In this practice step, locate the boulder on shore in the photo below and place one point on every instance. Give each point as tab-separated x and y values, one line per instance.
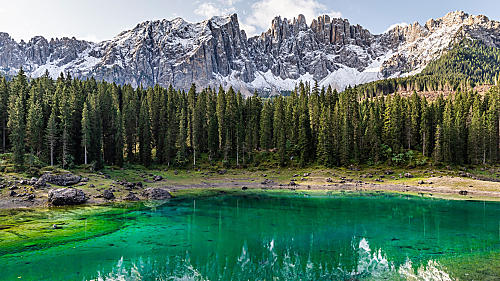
108	194
66	196
131	197
61	180
156	193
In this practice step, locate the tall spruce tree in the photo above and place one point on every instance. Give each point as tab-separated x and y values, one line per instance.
4	116
145	133
17	129
51	135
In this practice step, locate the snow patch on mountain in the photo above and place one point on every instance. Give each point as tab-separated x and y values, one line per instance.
217	52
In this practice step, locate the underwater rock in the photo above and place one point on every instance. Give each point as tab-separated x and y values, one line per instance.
66	196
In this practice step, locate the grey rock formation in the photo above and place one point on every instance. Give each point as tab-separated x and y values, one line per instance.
66	196
61	180
131	197
108	194
217	52
156	193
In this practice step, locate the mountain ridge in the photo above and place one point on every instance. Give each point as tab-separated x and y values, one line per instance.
217	52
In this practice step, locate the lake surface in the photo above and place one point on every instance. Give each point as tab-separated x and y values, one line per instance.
277	236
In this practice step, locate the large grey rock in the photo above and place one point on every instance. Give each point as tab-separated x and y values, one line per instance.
108	194
156	193
66	196
61	180
131	197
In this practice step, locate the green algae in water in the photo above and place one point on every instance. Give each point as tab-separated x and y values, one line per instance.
283	236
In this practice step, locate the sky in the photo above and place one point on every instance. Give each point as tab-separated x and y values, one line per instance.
97	20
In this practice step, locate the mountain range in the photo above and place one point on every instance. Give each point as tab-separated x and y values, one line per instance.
217	52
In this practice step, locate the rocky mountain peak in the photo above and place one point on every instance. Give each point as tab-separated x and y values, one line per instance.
216	51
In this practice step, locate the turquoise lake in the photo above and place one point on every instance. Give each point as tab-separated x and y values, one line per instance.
257	236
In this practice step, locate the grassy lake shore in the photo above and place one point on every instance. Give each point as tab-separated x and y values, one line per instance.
465	184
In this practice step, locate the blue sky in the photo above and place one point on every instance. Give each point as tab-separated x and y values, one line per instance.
97	20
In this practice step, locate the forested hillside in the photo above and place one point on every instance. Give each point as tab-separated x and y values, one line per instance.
70	122
465	65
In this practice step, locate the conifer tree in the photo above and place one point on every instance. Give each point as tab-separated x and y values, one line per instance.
426	129
66	114
17	129
493	125
325	138
35	127
182	137
130	120
240	129
305	137
230	126
279	129
86	131
52	135
476	132
221	116
212	126
4	117
145	133
266	126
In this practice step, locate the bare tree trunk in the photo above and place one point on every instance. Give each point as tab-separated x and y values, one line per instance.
194	157
51	153
65	148
423	145
5	133
85	153
484	150
237	155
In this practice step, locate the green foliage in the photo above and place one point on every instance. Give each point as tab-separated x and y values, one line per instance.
71	122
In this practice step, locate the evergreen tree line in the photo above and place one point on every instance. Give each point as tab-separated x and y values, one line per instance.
464	66
70	122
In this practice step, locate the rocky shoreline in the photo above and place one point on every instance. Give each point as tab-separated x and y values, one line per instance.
65	190
70	189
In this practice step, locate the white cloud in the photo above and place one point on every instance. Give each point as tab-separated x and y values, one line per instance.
402	24
209	9
263	11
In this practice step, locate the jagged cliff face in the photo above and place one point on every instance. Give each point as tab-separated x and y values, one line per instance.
216	51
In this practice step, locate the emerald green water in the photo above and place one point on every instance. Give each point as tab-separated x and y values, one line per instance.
282	236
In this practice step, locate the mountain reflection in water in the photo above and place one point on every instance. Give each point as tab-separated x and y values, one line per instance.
288	265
